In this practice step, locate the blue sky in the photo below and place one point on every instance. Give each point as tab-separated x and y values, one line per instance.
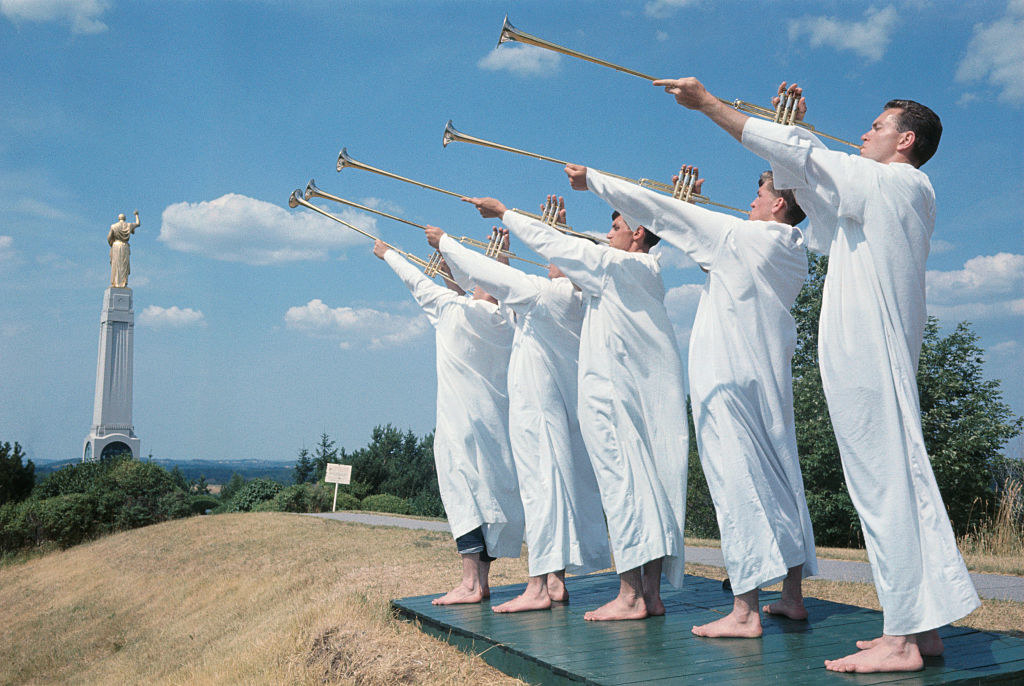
258	327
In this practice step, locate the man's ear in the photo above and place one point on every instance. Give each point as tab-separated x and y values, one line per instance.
905	143
778	205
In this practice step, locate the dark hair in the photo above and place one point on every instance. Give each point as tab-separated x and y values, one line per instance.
650	239
924	123
794	214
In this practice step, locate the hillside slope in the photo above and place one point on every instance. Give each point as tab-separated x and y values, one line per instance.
256	598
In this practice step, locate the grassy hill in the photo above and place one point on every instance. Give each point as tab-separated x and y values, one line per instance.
264	598
247	598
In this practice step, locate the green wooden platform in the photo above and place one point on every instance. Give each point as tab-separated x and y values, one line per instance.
559	647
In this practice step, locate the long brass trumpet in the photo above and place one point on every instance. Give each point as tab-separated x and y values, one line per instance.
491	248
784	112
681	190
431	267
346	160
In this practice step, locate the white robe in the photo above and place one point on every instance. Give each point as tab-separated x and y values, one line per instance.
741	385
475	472
564	523
631	405
875	221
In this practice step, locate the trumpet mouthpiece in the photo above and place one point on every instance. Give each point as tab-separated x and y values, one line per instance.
343	159
449	134
293	201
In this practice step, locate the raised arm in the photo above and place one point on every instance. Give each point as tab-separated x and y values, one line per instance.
430	296
691	94
696	231
136	224
506	283
580	260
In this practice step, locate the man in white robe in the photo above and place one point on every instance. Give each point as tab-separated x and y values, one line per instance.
741	387
565	528
631	404
873	215
475	472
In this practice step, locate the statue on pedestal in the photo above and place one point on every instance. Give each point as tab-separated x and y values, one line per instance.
118	237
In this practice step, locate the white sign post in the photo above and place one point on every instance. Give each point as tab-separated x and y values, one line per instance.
337	474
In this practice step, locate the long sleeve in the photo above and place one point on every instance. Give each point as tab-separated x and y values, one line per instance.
694	230
428	294
509	285
579	259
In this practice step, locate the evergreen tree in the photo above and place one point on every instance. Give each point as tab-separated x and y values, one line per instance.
232	487
16	479
324	453
200	487
303	467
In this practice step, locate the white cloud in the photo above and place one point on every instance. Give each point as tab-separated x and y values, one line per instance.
940	246
83	14
681	302
521	60
173	317
977	311
354	325
235	228
660	9
868	38
982	277
660	36
995	54
6	248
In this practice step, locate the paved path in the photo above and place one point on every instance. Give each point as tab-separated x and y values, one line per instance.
994	586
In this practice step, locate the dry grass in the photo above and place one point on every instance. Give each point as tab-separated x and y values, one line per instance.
999	545
248	598
263	598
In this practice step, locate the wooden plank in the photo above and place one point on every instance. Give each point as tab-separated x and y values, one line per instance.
558	646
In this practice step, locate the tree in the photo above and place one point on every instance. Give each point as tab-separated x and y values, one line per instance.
16	479
303	467
324	453
231	487
200	487
964	420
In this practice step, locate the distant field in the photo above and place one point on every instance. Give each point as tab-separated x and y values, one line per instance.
262	598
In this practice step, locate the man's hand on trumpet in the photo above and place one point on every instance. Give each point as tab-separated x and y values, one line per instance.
433	235
504	244
379	248
555	203
489	208
793	91
695	173
577	174
689	92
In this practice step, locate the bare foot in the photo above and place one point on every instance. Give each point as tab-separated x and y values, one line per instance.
887	654
731	626
557	591
623	607
655	608
525	603
460	594
788	608
929	644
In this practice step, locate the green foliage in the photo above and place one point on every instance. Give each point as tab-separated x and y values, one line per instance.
384	502
304	468
16	479
231	487
252	494
964	420
200	503
700	510
323	453
427	504
346	501
294	498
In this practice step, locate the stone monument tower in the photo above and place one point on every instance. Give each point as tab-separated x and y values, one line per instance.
112	430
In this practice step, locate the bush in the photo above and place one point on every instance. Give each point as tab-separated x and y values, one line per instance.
292	499
384	502
321	495
64	519
346	501
427	504
252	494
199	504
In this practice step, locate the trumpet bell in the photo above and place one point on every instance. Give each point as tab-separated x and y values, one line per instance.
508	32
450	134
294	201
344	160
311	190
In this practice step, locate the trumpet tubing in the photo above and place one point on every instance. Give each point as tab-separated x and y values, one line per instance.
784	113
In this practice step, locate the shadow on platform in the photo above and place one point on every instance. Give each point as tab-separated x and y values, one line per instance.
559	647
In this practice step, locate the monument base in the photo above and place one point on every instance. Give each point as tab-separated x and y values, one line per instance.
100	447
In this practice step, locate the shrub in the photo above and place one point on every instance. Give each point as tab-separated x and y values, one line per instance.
427	504
384	502
64	519
321	495
292	499
252	494
199	504
346	501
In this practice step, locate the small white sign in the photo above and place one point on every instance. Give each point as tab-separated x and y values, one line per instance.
338	473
